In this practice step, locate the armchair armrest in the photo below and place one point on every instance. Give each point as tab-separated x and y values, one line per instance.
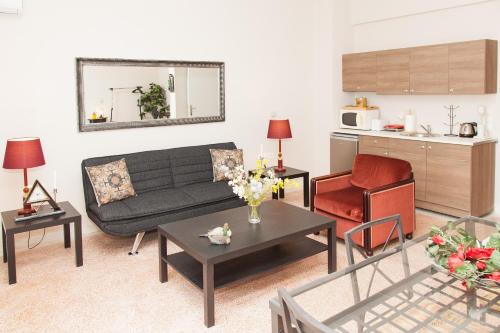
388	187
391	199
329	183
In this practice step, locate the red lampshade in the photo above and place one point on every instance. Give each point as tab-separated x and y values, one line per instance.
23	153
279	129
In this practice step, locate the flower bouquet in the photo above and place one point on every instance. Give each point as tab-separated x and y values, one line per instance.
255	187
472	261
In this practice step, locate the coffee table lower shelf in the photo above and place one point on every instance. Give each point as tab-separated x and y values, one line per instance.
247	265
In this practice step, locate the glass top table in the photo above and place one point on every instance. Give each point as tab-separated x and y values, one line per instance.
399	290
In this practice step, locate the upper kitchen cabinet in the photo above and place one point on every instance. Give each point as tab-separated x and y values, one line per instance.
359	72
473	67
393	72
429	70
456	68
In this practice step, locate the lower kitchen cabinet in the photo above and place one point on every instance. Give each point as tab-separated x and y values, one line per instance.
415	153
453	179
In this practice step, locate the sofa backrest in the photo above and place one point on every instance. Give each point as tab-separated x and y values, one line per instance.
194	164
371	171
160	169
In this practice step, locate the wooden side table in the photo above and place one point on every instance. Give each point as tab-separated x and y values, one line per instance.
10	228
292	173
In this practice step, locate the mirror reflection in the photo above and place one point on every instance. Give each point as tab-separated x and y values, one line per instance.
123	94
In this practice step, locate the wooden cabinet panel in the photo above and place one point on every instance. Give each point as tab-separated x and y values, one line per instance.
467	67
374	141
429	70
415	152
393	72
359	72
449	175
373	150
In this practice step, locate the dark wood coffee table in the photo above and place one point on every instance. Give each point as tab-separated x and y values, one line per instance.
278	240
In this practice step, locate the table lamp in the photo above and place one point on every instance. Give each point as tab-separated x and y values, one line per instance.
279	129
24	153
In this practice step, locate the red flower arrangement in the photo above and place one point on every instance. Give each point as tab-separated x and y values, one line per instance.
465	257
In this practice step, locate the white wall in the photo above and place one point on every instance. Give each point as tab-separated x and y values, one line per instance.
334	35
369	10
274	57
476	21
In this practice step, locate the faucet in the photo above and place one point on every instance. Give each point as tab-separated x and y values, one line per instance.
427	129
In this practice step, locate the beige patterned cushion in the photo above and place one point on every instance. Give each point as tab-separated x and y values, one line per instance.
111	182
222	157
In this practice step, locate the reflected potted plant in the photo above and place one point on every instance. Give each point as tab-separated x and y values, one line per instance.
154	102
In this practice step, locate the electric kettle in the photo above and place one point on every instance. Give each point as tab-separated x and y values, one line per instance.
468	130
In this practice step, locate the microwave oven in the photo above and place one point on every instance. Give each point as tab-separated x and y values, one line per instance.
358	119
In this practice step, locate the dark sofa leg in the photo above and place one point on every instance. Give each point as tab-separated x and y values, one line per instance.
137	242
409	236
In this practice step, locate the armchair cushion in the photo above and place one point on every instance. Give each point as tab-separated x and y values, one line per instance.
372	171
346	202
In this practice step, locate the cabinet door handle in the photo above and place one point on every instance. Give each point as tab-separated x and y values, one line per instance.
386	153
452	90
358	88
429	147
375	141
412	90
405	91
422	147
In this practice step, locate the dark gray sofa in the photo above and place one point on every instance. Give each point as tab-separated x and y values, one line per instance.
171	185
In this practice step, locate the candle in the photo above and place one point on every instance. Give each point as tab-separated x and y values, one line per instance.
55	179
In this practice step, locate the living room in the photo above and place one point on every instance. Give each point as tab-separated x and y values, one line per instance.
275	63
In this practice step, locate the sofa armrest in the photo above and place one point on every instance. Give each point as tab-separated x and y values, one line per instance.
336	181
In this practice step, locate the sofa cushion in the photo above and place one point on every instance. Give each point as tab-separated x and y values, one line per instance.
224	160
371	171
192	165
143	205
134	225
111	182
208	192
347	203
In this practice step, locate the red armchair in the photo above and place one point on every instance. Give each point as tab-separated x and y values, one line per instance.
377	187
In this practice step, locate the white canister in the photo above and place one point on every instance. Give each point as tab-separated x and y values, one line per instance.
378	124
410	123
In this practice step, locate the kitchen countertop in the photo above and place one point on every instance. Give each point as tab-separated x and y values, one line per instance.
440	139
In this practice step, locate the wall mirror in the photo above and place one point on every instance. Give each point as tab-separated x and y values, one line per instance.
119	93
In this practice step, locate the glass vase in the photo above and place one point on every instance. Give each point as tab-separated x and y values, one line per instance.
254	214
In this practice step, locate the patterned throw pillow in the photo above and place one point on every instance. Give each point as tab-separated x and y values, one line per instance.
111	182
228	158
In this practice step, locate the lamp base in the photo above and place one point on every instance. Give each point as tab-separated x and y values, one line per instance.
26	210
279	170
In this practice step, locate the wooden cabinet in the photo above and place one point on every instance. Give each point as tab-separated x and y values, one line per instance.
449	175
472	67
456	68
414	152
429	70
452	179
393	72
359	72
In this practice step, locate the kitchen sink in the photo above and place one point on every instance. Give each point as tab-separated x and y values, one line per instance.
420	135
